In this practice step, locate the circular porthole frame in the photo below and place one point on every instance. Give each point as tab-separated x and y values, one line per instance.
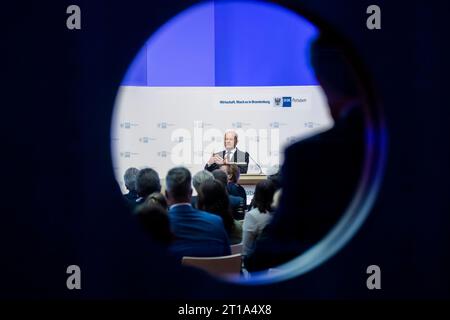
375	157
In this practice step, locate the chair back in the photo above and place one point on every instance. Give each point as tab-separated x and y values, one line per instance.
218	266
236	248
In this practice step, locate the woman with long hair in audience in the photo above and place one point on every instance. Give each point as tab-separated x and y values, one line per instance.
213	198
257	218
157	198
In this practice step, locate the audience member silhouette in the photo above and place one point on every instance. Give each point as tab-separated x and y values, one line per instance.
197	180
147	182
197	233
274	175
129	178
157	198
233	175
213	198
237	203
321	173
256	219
155	221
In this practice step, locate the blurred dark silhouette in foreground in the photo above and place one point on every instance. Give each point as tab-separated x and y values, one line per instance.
321	173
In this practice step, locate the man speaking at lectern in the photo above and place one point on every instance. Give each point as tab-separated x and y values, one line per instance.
231	154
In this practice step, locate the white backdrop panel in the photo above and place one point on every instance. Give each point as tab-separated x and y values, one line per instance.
161	127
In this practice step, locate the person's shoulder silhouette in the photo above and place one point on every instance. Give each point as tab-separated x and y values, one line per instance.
320	173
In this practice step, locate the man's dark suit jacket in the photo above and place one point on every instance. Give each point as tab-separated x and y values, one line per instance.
237	207
197	233
237	190
239	156
194	201
131	196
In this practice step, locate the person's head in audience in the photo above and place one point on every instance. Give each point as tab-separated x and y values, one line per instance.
201	177
155	222
213	198
263	196
178	186
274	175
147	182
334	74
221	176
232	171
156	198
130	178
224	168
230	140
237	202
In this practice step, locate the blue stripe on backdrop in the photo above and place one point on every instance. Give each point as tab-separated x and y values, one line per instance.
227	43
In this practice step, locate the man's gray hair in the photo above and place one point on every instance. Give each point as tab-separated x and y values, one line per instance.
201	177
130	178
178	182
233	132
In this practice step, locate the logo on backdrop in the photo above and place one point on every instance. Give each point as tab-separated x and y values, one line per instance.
239	125
298	100
311	125
163	154
146	139
201	124
164	125
291	139
127	154
276	124
277	102
287	102
128	125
